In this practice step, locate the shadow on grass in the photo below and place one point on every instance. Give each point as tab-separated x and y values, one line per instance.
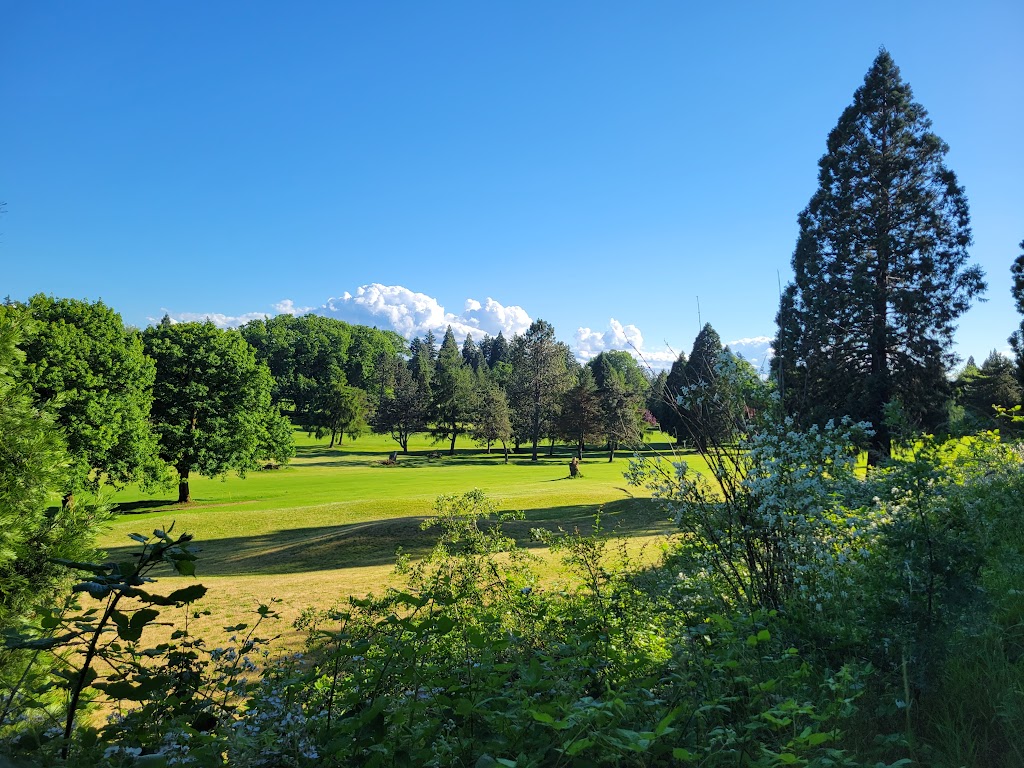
355	545
147	505
316	456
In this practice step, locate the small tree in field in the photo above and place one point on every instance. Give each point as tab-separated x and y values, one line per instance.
211	404
493	422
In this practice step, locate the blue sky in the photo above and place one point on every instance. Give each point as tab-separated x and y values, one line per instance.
600	165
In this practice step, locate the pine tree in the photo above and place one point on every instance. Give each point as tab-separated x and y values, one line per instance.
1017	339
620	408
670	413
880	265
499	351
581	414
701	413
452	393
471	353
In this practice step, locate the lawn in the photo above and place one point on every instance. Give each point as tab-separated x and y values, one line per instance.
329	524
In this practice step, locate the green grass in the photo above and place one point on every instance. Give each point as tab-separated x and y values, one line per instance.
329	524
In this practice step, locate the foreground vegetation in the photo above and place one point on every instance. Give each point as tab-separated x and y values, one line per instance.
809	616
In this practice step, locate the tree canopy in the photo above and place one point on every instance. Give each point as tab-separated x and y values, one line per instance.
881	268
212	403
92	372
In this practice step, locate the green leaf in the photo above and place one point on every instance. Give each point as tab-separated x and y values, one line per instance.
542	717
578	746
763	636
683	754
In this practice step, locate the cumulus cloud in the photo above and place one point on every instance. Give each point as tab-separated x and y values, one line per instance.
591	343
413	314
287	307
756	349
217	318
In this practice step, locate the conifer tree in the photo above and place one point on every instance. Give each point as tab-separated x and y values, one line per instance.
581	414
881	271
471	353
452	393
499	351
1017	339
670	413
701	412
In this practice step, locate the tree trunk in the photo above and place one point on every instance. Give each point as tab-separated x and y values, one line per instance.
611	451
505	448
184	497
451	451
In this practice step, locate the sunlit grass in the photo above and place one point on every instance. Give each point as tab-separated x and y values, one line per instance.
329	525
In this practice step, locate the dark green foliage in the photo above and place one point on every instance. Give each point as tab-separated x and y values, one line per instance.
1017	290
423	361
34	467
404	409
452	393
881	268
492	422
621	408
669	413
655	400
471	355
85	366
979	389
540	374
212	406
630	372
496	350
581	415
337	410
304	355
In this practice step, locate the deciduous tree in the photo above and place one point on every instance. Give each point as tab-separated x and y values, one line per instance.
91	371
211	407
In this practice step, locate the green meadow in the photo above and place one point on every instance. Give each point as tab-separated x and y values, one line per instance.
329	524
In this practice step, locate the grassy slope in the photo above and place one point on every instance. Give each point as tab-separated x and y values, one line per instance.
328	525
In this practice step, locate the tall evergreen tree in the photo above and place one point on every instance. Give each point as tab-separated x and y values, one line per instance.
423	361
670	413
541	374
620	409
881	271
1017	339
499	351
702	413
492	422
995	383
471	353
581	414
453	401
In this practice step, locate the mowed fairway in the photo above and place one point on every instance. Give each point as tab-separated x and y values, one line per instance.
328	525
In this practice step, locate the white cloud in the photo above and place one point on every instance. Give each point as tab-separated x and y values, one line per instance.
412	314
287	307
217	318
757	350
591	343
